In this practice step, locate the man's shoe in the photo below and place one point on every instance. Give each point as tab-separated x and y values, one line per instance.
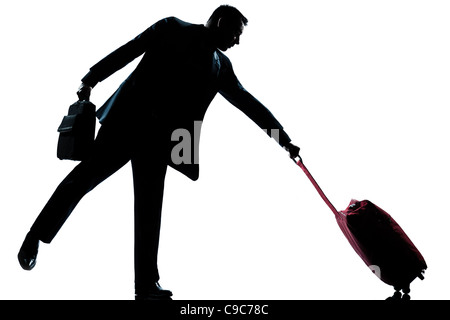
154	293
28	252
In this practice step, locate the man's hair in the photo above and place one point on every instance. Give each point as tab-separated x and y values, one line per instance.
228	13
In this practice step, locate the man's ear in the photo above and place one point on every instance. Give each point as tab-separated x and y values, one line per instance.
218	22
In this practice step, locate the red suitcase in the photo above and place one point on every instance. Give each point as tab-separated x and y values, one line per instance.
379	241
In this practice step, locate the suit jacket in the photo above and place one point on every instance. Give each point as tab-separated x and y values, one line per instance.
179	75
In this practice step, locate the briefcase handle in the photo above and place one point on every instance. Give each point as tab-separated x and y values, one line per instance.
83	92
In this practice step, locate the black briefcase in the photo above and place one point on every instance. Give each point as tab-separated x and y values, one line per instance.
77	132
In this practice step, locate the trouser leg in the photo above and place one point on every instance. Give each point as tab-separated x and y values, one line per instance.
84	177
148	175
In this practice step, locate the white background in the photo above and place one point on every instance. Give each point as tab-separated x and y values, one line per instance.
361	86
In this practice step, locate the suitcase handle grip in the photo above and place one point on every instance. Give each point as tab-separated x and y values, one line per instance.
297	159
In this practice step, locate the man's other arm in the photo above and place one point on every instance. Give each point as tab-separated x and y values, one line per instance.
125	54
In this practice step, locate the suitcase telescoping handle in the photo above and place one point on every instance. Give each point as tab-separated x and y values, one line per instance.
298	160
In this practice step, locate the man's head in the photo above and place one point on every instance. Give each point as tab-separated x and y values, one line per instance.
227	23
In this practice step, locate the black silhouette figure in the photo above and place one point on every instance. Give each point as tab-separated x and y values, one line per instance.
181	71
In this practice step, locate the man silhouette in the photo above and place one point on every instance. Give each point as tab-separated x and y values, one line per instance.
181	71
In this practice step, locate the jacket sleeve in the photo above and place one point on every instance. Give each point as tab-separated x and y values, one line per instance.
126	53
232	90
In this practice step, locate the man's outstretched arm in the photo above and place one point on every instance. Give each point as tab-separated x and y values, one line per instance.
232	90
